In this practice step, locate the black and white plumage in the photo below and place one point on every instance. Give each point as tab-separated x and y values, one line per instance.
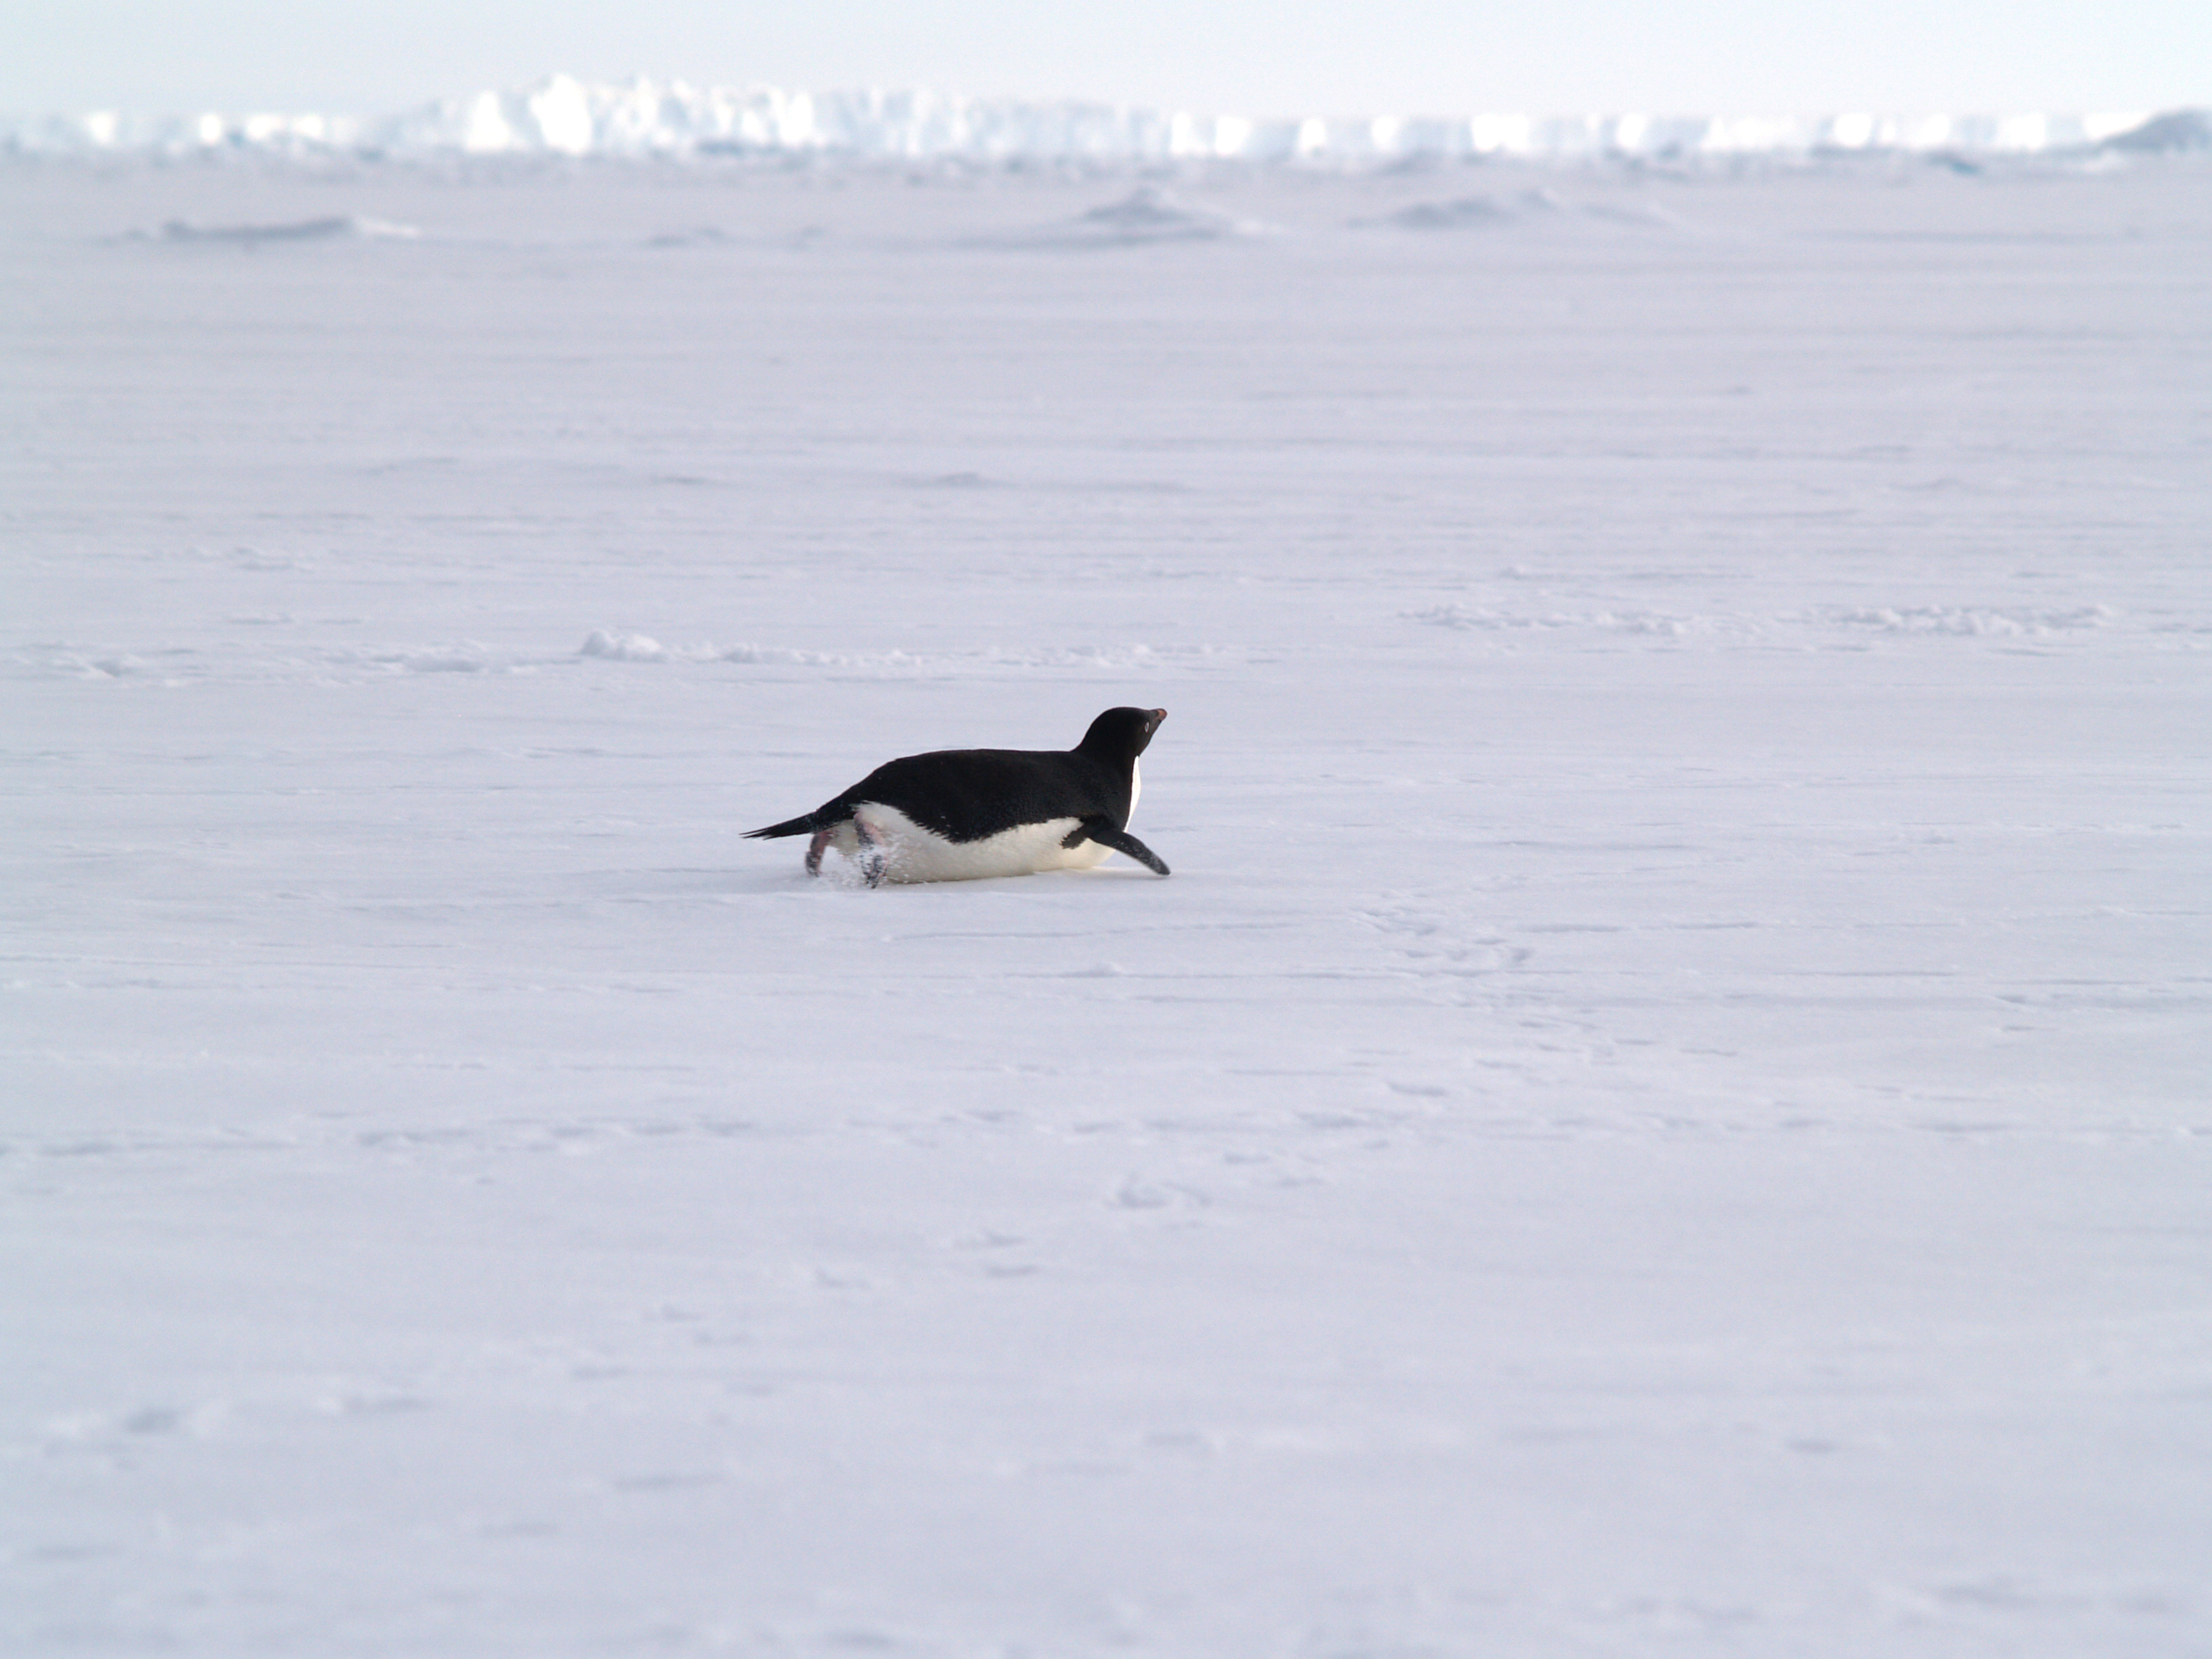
958	814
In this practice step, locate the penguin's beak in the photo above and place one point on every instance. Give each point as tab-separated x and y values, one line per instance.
1153	725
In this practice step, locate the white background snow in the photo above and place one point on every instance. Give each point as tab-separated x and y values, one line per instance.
1667	1106
561	115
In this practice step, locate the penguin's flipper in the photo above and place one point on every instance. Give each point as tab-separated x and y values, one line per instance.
804	823
1102	831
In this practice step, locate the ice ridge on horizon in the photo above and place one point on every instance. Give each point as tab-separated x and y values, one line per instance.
564	117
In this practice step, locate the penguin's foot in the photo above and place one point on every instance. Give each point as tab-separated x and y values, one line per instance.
815	848
875	857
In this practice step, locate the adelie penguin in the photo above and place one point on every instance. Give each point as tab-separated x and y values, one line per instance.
958	814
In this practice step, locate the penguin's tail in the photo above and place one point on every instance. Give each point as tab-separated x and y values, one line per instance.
805	824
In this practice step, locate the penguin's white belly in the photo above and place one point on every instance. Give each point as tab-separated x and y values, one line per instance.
912	853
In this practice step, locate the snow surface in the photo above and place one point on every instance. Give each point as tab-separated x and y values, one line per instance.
1666	1107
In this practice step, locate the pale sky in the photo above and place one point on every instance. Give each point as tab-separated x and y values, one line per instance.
1258	57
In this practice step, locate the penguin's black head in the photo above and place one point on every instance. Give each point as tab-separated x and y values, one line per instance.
1122	732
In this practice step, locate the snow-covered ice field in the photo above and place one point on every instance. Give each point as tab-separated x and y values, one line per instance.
1667	1107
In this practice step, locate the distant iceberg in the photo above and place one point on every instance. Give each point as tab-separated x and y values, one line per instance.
349	227
564	117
